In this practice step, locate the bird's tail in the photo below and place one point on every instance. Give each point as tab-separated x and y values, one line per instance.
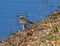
30	22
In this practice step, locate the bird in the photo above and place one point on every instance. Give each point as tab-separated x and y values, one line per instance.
23	21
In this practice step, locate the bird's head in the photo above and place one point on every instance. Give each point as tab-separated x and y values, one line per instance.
20	15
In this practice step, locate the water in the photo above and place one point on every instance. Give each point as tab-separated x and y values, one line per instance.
9	9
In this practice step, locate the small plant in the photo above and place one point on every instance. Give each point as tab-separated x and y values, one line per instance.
56	28
52	37
54	17
58	36
44	21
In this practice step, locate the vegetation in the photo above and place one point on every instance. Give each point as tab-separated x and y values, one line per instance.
43	33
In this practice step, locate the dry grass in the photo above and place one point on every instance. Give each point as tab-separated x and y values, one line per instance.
44	33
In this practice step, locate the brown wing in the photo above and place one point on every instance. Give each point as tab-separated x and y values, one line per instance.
24	21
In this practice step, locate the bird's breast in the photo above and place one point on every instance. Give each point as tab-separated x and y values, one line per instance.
23	21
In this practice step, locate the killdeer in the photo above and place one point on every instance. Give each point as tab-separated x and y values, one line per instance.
23	21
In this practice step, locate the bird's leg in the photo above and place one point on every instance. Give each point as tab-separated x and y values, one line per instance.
23	27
